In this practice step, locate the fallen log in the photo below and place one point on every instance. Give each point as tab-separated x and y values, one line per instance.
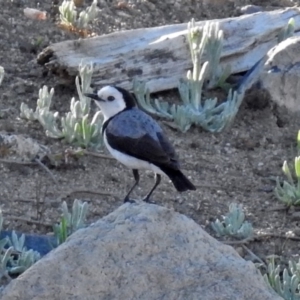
160	55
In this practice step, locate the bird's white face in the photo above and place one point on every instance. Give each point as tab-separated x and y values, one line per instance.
110	101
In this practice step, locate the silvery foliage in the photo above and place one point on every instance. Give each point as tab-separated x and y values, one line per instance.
69	15
233	224
76	126
14	257
25	258
155	107
287	283
1	74
288	192
71	221
287	31
195	110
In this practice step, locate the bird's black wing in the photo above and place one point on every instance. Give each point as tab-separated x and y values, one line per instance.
144	148
144	140
168	149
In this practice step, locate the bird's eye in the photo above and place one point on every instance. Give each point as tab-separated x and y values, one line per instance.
110	98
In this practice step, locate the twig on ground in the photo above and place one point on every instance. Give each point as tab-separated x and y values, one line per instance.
261	236
52	203
46	169
239	242
15	218
219	187
22	200
36	162
23	163
91	192
280	236
99	155
254	256
209	186
279	208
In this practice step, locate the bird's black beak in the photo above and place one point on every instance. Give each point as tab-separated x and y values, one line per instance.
93	96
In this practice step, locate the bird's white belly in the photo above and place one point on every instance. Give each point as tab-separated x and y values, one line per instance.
130	161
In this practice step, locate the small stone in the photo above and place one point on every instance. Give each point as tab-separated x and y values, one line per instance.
266	189
295	216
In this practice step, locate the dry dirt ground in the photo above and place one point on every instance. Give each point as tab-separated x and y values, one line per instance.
238	165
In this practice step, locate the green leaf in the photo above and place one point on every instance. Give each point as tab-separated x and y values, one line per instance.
297	166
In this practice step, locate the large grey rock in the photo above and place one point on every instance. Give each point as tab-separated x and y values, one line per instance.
281	74
141	251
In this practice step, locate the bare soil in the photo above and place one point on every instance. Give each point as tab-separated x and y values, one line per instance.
238	165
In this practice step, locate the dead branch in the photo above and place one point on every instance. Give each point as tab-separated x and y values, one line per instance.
44	167
22	219
259	237
99	155
91	192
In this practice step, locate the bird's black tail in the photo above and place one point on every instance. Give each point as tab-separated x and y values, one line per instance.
179	180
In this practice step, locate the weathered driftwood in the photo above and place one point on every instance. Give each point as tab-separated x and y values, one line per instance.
161	56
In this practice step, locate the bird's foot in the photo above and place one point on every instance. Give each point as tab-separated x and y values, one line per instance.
128	200
147	200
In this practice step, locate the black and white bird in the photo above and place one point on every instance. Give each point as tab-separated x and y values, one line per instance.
136	140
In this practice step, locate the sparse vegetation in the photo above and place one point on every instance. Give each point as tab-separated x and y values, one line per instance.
285	281
70	221
233	224
1	74
72	21
195	110
287	31
77	126
288	191
15	258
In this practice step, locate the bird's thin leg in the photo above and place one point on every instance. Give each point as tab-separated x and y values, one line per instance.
136	176
157	182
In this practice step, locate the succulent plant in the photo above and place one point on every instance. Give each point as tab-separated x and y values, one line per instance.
287	31
71	221
1	74
288	192
195	110
233	224
77	126
14	257
69	16
286	282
